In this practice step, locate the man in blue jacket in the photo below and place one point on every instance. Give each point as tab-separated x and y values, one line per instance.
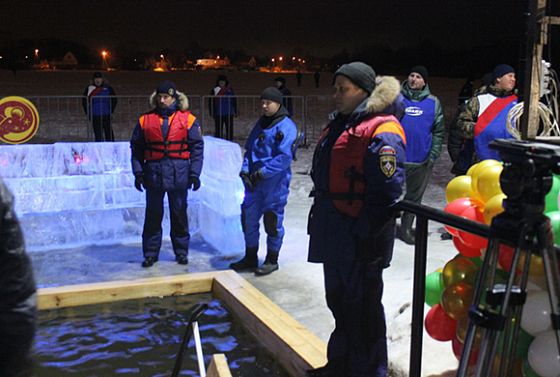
99	102
424	129
223	107
357	174
167	153
266	174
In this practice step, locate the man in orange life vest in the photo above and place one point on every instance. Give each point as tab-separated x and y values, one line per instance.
358	173
484	118
167	152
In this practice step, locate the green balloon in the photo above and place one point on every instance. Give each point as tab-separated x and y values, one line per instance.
434	288
523	342
477	261
551	199
521	347
527	370
555	222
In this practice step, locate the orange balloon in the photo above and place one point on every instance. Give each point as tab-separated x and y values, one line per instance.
461	332
456	300
459	270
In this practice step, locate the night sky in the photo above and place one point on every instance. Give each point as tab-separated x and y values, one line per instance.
264	27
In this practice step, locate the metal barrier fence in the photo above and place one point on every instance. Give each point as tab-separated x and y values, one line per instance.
62	118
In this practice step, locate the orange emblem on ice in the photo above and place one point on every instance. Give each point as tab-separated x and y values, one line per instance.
19	120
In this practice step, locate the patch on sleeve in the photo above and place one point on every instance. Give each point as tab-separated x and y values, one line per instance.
388	160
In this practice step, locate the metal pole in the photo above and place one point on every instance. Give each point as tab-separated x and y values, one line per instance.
198	346
418	297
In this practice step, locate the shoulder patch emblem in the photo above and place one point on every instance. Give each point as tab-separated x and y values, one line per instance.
388	160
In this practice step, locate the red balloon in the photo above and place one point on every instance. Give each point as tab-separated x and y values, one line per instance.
469	239
457	207
505	257
464	249
439	325
457	347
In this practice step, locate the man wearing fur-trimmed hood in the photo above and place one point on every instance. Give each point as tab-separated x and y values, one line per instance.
358	172
167	153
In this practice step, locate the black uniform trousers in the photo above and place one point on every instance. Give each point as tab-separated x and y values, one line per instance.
358	345
152	234
224	127
102	128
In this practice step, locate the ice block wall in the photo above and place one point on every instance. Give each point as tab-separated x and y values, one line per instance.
76	194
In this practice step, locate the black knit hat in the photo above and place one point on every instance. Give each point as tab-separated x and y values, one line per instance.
97	74
280	79
272	94
500	70
222	78
421	70
359	73
167	87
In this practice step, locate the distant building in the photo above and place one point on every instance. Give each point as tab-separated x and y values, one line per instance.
215	63
68	61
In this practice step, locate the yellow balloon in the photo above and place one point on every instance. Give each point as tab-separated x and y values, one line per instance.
480	167
458	187
471	169
493	207
488	181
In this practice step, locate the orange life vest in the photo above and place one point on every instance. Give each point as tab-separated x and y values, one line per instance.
346	175
175	146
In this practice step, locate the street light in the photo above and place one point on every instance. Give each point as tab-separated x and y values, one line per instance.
104	55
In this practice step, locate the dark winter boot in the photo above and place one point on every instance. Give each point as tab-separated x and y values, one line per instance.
405	232
270	264
248	262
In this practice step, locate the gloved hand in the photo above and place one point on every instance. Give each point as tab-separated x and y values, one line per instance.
194	183
138	182
246	178
256	177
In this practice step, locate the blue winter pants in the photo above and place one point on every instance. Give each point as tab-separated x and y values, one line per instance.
261	203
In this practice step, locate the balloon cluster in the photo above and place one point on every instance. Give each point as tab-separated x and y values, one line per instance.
477	196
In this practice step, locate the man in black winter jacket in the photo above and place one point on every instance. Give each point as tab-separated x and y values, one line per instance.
18	299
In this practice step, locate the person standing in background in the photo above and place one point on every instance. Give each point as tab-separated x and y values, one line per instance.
484	117
280	83
223	107
424	128
99	102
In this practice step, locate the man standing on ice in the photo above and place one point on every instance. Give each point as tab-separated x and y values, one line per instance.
357	172
167	153
266	174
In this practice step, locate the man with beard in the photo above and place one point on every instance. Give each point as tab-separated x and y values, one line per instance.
167	153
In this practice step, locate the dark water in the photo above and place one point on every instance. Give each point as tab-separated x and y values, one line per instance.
142	338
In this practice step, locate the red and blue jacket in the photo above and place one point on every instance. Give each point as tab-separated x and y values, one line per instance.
491	123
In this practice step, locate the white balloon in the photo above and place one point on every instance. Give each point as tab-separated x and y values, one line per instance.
544	356
536	313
